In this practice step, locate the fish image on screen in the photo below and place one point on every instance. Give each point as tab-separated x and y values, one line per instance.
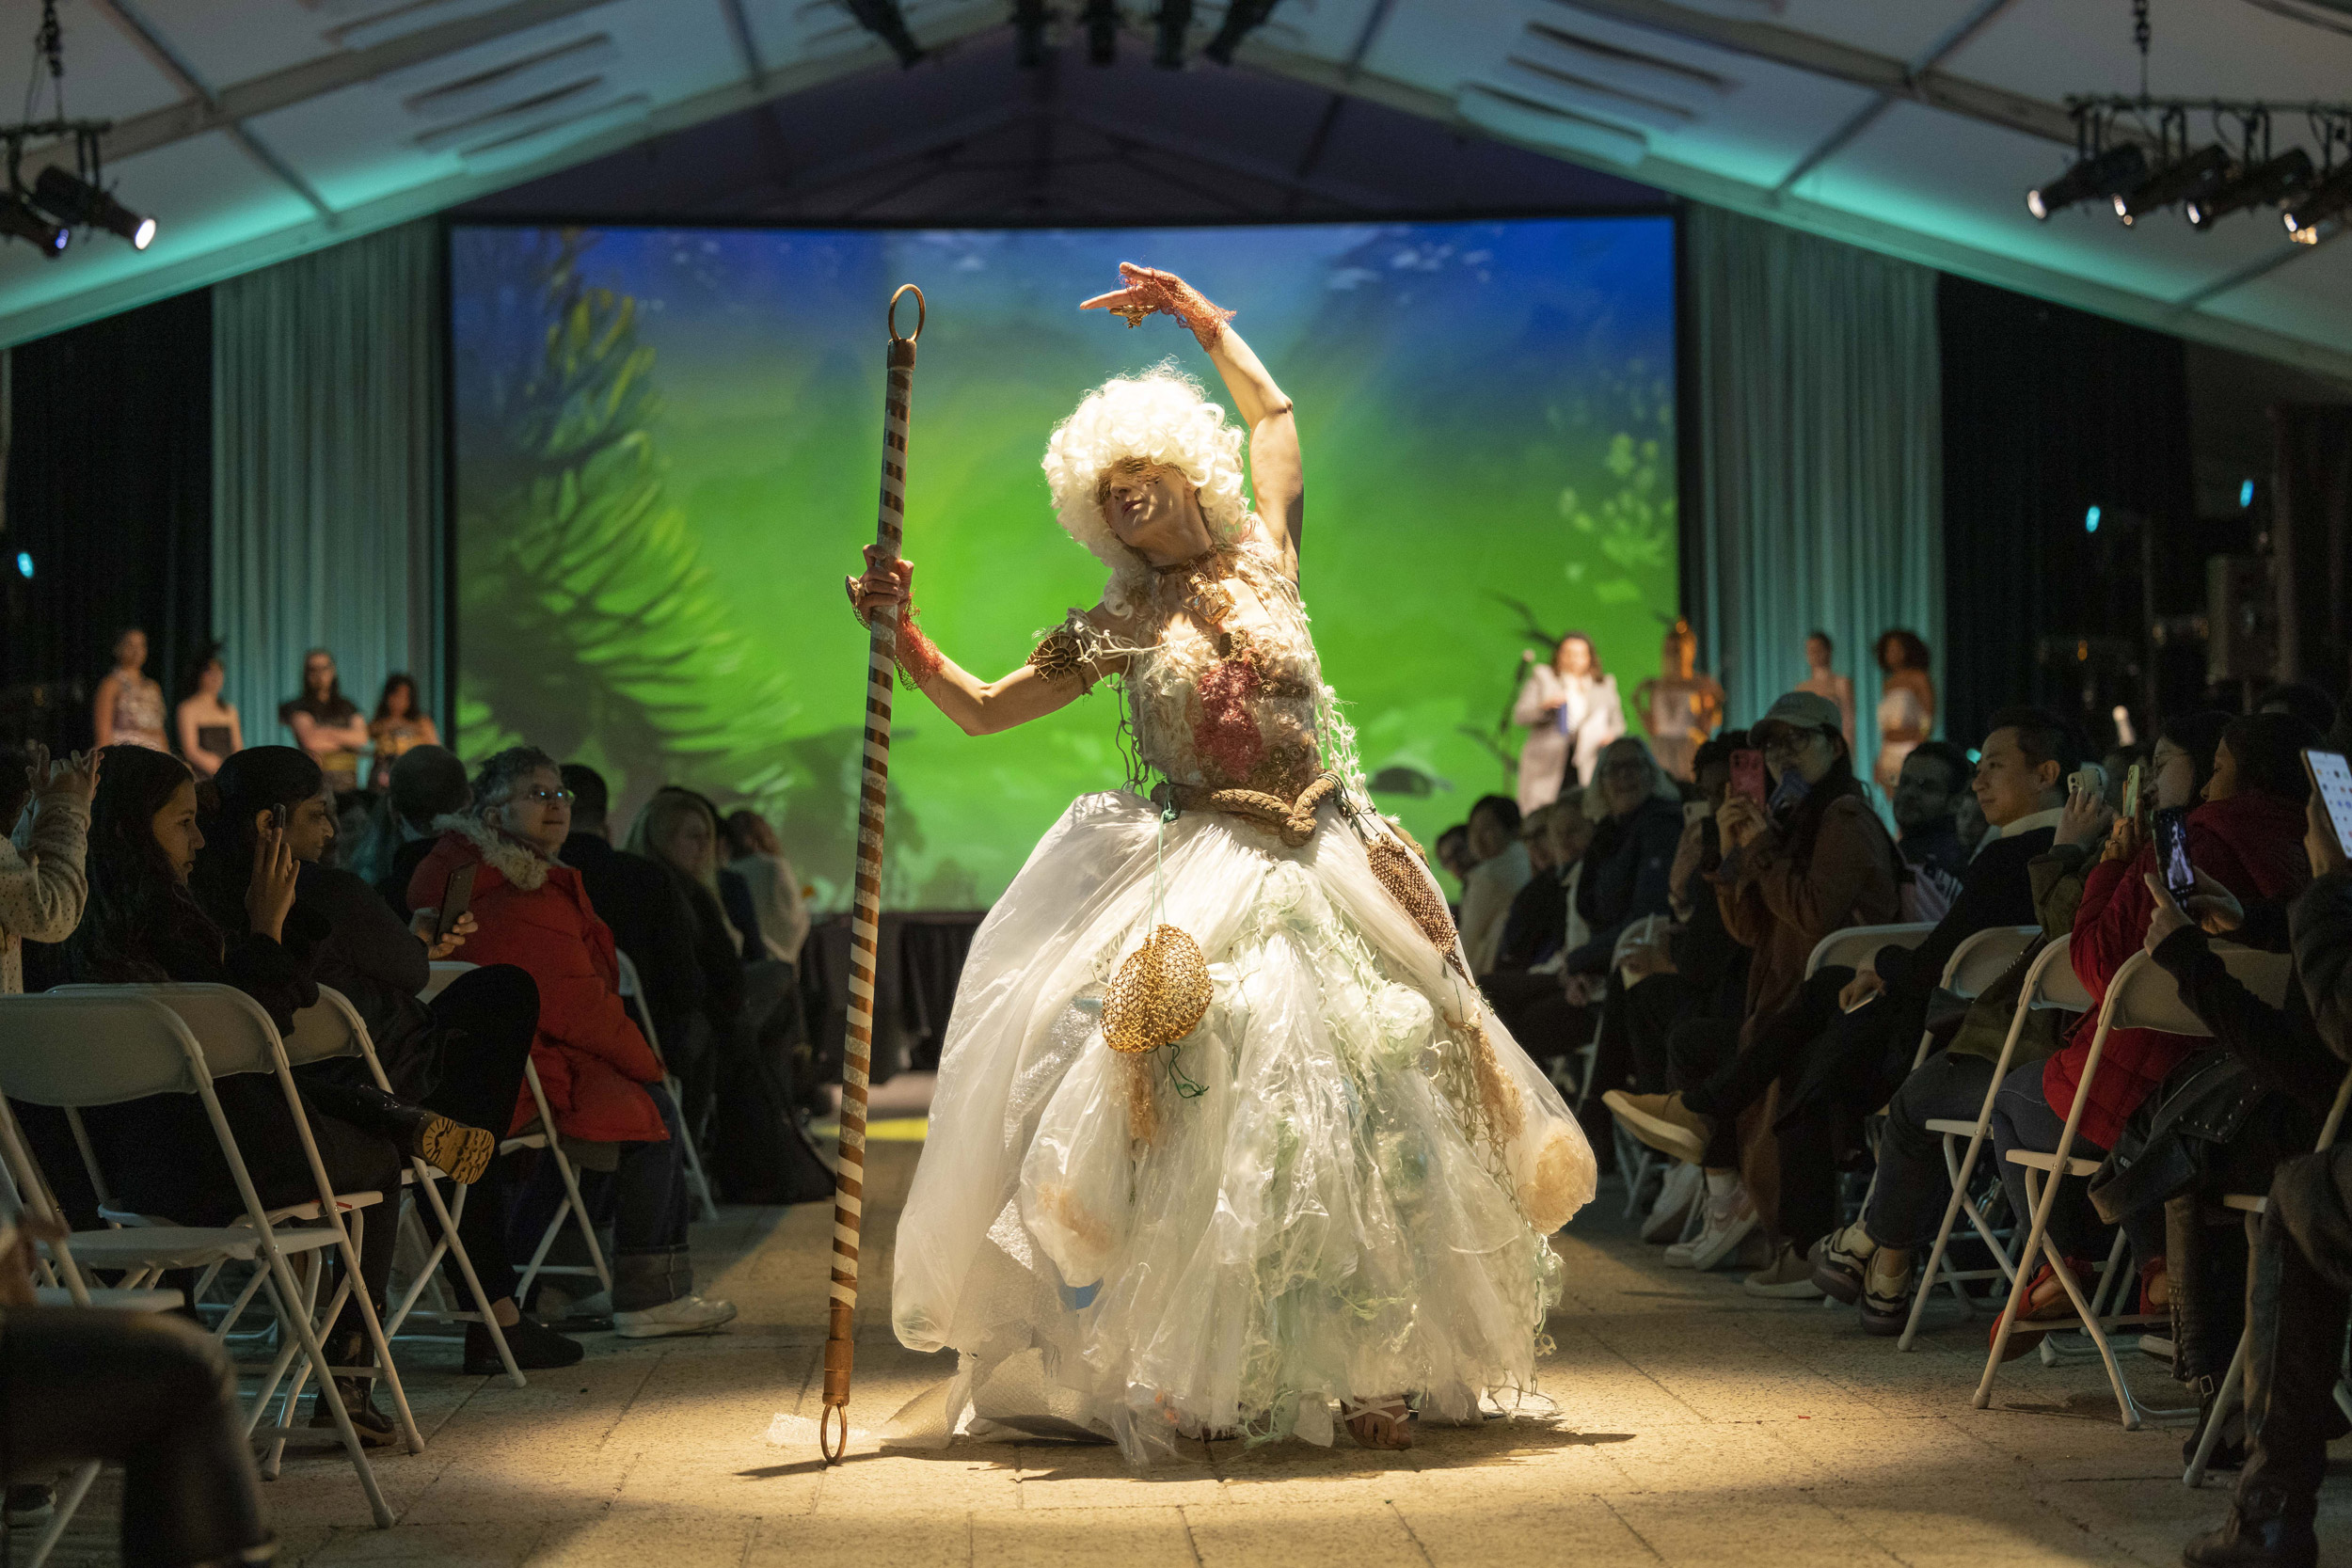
666	443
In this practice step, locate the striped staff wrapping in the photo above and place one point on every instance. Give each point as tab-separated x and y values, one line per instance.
849	1200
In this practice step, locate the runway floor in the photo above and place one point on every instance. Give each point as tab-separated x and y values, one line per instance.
1696	1425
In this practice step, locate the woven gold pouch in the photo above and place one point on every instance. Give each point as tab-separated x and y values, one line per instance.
1159	994
1408	884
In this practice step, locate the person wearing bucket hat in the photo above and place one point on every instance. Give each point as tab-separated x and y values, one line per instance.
1809	860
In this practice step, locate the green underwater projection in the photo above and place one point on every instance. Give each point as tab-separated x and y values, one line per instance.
668	444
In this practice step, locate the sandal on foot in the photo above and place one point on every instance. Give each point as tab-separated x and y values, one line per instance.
1379	1423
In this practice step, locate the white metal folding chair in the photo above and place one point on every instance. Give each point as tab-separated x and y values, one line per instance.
2232	1383
2140	996
331	1028
108	1045
2050	985
1851	946
633	988
541	1135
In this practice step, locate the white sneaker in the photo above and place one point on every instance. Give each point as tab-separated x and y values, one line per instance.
685	1315
1683	1187
1730	1219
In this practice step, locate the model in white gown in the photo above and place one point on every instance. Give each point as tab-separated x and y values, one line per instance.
1337	1189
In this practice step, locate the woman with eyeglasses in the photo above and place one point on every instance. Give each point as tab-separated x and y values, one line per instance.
603	1081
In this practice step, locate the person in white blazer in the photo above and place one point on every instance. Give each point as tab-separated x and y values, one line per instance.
1570	710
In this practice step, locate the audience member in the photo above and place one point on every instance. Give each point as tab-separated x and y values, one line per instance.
398	728
1906	700
209	729
129	708
1538	917
1929	791
1454	855
42	883
649	916
1570	709
1632	849
602	1083
325	723
754	854
1813	859
2302	1275
2302	699
143	924
1823	679
1501	869
427	785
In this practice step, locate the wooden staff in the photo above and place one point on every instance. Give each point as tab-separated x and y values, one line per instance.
881	662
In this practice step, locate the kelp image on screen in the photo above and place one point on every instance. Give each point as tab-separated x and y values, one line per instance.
667	443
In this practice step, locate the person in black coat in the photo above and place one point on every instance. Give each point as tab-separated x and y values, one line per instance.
1627	865
650	919
428	783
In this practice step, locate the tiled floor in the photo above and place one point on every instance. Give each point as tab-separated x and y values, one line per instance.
1695	1425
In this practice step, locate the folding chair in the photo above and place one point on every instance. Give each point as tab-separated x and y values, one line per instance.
108	1045
2234	1382
542	1136
1851	946
1633	1155
2050	985
2140	996
633	988
333	1028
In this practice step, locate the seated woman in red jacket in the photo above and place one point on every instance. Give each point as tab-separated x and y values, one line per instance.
603	1083
2247	835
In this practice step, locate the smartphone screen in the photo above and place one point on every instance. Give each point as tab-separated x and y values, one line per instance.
2172	835
2331	778
1747	776
454	898
2131	794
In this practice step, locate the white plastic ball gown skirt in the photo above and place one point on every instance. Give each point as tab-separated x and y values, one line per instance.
1333	1215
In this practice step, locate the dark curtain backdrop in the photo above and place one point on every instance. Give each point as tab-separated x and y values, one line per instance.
2312	533
111	493
2048	412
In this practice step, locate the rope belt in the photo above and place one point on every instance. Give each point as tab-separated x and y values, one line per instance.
1293	820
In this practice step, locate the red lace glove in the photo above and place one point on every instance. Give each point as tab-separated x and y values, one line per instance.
919	657
1151	291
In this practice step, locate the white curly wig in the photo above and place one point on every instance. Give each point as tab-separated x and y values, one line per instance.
1161	415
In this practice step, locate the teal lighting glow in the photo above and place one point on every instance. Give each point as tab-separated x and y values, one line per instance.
24	565
1975	756
2091	521
2244	494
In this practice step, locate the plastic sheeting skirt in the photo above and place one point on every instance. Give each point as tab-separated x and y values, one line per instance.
1315	1199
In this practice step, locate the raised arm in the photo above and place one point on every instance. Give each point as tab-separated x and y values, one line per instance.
1276	478
978	707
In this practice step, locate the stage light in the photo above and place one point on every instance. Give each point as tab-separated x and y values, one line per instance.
76	202
17	218
2244	494
1170	22
1102	23
884	18
1029	18
2254	185
2101	174
2169	183
24	565
2323	200
2091	521
1242	18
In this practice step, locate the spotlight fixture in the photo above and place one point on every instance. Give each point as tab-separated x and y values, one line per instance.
2119	167
2252	185
77	203
1169	24
884	18
1102	23
2327	199
1029	18
20	221
1242	18
2170	183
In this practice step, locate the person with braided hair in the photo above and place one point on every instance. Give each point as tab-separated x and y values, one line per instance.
1225	1141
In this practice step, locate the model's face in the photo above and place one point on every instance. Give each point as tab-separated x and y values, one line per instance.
1923	792
399	700
1155	510
1574	656
131	652
212	678
2175	774
318	674
176	831
2007	785
1817	653
539	813
687	843
1678	658
309	827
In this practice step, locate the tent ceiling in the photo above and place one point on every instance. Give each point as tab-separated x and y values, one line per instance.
256	129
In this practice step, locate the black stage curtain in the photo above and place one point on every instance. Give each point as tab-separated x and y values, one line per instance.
921	959
110	494
2048	411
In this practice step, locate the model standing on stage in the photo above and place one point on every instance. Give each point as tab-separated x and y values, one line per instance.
1570	710
1334	1186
